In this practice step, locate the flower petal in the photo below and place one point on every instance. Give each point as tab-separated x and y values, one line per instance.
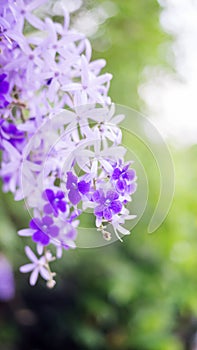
71	179
44	273
27	268
47	220
83	187
54	231
98	211
35	223
34	276
74	196
116	174
31	255
48	195
116	207
107	214
112	195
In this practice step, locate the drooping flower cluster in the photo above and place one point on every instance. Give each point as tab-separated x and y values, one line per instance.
59	135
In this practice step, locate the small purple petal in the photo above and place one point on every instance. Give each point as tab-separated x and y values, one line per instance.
74	196
2	77
49	195
98	211
54	231
71	234
61	206
40	237
47	220
59	195
107	214
126	167
35	223
112	195
3	102
129	174
116	174
116	207
96	196
71	180
132	188
83	187
121	185
48	209
4	87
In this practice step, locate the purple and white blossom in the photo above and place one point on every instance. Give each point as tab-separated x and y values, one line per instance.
59	133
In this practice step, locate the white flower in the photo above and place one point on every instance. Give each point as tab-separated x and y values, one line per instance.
37	266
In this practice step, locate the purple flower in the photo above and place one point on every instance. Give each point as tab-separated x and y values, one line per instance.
124	180
56	202
76	189
9	131
108	204
44	229
7	287
4	87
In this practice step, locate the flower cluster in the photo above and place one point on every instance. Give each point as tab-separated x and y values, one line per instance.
60	139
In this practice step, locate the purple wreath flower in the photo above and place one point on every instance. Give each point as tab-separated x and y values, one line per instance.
7	285
109	204
76	189
4	88
56	202
43	230
9	131
124	180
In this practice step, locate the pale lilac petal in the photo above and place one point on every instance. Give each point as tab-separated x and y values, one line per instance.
30	254
39	248
25	232
132	187
34	4
71	87
27	268
84	72
34	276
44	273
34	21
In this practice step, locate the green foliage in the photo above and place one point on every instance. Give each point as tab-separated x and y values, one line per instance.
132	39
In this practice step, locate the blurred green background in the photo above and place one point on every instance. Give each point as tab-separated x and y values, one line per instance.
136	295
